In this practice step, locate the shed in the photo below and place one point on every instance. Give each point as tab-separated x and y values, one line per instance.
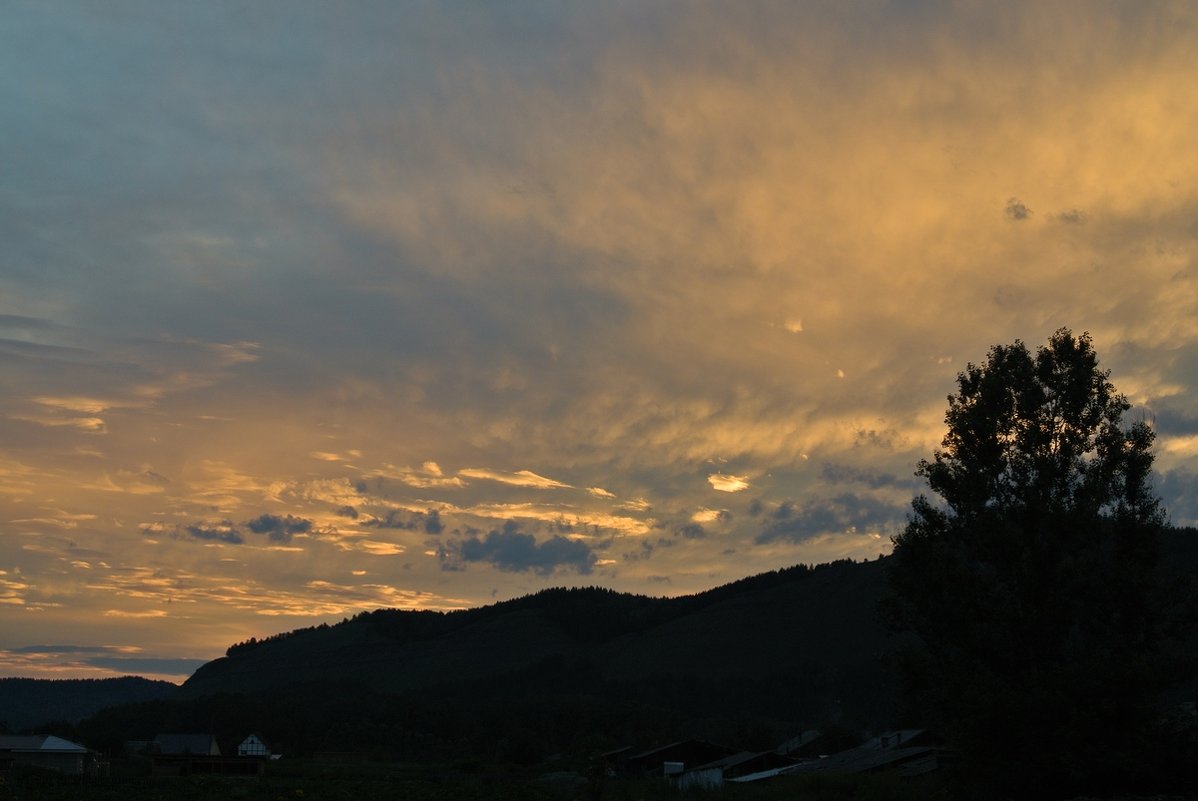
908	752
185	744
47	751
712	775
687	753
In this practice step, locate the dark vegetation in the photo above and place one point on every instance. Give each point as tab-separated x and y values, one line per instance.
303	780
1049	629
25	703
559	672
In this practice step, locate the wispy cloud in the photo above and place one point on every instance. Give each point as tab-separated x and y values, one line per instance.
725	483
520	478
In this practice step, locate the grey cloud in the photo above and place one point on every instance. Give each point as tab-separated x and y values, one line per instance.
279	528
1071	216
1171	421
135	665
691	531
396	518
510	550
347	511
1016	211
792	522
639	554
107	656
60	649
34	351
157	478
16	323
429	521
215	533
886	440
1010	296
836	473
1179	491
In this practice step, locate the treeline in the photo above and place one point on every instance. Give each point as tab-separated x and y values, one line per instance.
559	671
592	614
246	646
27	703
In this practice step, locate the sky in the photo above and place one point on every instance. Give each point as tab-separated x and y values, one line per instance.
311	308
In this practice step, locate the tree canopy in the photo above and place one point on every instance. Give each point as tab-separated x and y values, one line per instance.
1042	434
1032	585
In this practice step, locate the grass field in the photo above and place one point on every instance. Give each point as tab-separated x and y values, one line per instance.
311	781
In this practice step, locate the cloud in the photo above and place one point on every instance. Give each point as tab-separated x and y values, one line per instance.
643	551
429	475
135	482
133	666
135	615
326	456
510	550
1016	211
845	513
724	483
432	522
559	514
836	473
215	532
1180	486
279	528
77	404
706	515
61	649
115	659
376	548
429	521
520	478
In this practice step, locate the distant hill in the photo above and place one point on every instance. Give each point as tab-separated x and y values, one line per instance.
800	618
29	703
561	671
795	645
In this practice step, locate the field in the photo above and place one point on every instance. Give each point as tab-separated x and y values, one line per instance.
310	781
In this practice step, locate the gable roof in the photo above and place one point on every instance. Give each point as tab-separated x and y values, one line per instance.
39	742
186	744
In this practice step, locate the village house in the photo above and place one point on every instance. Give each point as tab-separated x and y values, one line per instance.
49	752
253	746
199	754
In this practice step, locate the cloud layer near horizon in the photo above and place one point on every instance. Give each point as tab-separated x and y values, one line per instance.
308	310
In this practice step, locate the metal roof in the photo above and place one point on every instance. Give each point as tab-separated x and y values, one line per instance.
44	743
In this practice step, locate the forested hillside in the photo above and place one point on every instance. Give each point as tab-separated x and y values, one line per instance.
28	703
561	671
564	670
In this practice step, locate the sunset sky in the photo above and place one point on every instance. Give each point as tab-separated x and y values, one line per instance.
310	308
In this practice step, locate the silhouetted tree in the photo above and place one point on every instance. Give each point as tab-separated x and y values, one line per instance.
1033	585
